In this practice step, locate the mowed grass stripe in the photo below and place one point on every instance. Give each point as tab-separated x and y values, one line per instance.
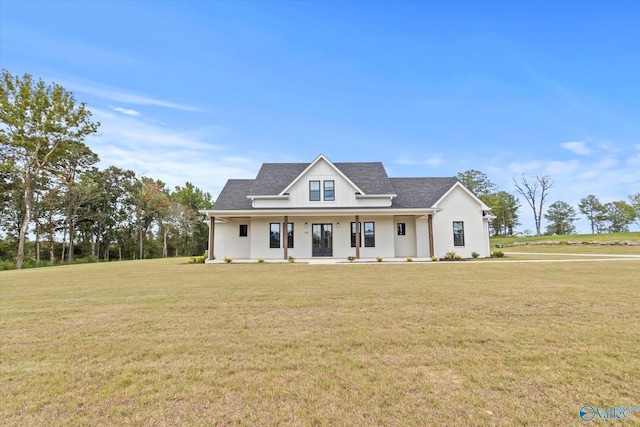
159	342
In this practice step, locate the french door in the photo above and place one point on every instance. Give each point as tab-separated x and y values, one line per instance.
322	239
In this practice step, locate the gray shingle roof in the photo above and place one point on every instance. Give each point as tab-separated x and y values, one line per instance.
420	192
234	195
274	177
371	178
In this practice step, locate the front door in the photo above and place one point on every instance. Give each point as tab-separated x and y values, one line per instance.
322	239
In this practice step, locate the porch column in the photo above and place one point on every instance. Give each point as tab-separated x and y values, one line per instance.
357	236
286	237
212	229
430	222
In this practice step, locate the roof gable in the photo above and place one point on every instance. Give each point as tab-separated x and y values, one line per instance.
458	184
322	158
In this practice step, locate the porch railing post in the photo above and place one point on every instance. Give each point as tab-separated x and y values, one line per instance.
286	237
430	222
357	236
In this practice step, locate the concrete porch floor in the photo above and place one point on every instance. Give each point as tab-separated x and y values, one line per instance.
322	260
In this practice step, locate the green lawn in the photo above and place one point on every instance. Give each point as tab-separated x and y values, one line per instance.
508	241
161	342
562	248
574	249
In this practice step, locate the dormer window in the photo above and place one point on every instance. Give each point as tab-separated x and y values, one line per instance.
314	191
329	190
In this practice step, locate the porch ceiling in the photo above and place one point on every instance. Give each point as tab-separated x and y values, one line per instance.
339	212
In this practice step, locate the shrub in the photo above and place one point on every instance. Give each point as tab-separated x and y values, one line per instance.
475	255
351	258
228	260
7	265
291	259
498	254
379	258
85	260
197	259
260	260
450	255
434	258
409	259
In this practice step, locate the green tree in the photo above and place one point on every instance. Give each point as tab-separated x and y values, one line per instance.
10	195
149	202
39	123
635	204
77	186
113	208
619	215
504	207
53	205
477	182
193	232
42	207
84	196
595	212
561	216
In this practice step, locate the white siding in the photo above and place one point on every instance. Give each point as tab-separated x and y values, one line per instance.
227	241
422	237
458	205
384	235
406	245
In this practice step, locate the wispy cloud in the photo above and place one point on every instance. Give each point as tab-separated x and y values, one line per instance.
124	96
126	111
431	161
199	156
564	168
129	130
577	147
524	167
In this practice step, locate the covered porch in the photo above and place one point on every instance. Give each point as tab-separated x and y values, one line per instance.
320	235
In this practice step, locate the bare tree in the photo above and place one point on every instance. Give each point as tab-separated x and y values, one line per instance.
535	194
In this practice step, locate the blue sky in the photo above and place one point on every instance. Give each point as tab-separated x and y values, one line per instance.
204	91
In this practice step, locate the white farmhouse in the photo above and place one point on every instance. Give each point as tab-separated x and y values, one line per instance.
336	210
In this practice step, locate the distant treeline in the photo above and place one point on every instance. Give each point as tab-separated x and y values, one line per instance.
56	205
